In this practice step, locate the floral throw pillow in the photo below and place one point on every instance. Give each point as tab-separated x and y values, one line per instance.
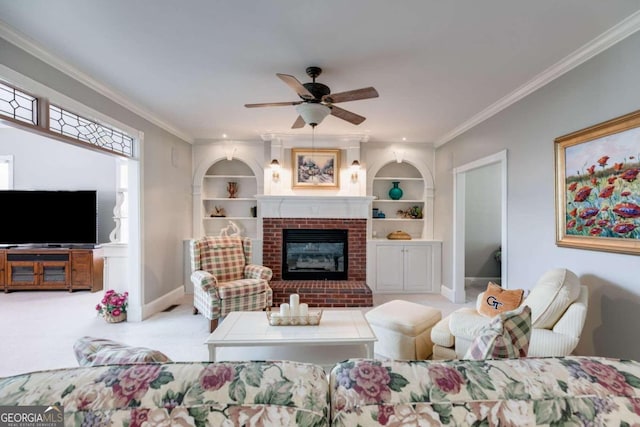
496	300
506	336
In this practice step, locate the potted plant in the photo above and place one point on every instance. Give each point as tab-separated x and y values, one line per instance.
113	306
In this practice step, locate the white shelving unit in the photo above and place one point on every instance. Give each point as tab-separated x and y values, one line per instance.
412	186
402	266
215	195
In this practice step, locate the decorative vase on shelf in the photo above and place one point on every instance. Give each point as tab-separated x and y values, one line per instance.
396	192
232	188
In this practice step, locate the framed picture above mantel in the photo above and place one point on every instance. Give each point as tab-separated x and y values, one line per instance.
598	186
315	168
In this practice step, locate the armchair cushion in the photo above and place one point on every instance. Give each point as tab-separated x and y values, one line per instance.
551	296
224	258
506	336
241	288
466	322
496	300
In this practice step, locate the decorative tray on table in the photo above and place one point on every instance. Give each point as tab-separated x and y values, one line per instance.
312	319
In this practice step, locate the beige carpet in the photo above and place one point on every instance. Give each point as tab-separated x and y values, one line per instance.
39	328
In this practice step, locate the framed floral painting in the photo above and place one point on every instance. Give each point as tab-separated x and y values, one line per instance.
316	168
598	186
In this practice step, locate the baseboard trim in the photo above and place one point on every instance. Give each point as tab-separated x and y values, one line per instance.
448	293
159	304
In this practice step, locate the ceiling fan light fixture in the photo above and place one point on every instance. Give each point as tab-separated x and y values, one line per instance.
313	113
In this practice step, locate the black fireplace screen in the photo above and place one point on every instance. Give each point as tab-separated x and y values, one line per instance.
314	254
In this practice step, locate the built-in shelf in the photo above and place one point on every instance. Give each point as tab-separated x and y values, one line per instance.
236	199
237	209
398	201
233	218
399	219
230	176
395	178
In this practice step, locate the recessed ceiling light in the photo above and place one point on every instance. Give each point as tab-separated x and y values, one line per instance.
404	138
224	135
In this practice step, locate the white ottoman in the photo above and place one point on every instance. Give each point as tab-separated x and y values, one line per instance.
403	329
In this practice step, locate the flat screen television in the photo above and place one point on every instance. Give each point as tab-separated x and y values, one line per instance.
48	218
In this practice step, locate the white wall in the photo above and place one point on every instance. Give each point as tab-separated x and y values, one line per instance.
166	176
40	163
482	221
602	88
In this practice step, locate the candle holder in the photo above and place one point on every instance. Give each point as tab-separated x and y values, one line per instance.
311	319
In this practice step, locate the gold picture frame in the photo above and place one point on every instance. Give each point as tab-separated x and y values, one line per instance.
315	168
598	186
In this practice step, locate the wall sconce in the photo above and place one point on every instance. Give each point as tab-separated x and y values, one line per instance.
275	170
355	167
399	156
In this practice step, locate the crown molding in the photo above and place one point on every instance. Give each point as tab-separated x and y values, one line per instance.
33	48
604	41
286	137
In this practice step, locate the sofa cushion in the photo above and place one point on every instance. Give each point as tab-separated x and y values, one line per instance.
506	336
178	394
496	300
571	391
90	351
551	296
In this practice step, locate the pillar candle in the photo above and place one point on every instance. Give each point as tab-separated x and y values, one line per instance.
285	310
303	310
294	303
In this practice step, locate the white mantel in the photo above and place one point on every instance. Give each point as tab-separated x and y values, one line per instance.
298	206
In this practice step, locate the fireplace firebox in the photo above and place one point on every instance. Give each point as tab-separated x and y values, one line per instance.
310	254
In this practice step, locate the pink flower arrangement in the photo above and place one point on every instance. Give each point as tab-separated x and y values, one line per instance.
113	304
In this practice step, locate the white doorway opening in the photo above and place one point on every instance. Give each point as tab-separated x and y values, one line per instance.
459	220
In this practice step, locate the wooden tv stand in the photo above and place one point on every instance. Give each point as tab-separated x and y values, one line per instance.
51	269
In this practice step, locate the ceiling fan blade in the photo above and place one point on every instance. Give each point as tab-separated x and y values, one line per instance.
294	84
347	115
351	95
299	123
273	104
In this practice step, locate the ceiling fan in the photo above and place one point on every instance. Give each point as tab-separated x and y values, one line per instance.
317	101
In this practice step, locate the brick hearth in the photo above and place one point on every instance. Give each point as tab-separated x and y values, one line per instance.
352	292
323	293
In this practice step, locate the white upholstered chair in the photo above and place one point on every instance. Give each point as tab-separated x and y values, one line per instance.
558	305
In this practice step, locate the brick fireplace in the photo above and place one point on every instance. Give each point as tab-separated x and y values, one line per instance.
313	214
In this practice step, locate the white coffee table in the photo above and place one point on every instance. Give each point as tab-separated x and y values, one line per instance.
247	335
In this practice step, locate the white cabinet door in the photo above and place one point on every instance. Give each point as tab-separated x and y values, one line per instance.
389	266
406	266
418	265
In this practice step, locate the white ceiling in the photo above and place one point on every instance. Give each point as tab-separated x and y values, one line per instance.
439	66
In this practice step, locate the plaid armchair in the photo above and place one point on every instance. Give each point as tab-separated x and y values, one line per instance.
224	280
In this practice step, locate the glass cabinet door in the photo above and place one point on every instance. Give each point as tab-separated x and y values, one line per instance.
22	273
54	273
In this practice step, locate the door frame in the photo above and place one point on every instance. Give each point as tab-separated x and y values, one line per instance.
459	214
135	248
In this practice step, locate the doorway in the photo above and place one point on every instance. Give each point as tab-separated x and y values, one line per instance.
460	216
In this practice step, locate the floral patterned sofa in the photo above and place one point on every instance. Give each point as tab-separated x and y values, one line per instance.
178	394
563	391
568	390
